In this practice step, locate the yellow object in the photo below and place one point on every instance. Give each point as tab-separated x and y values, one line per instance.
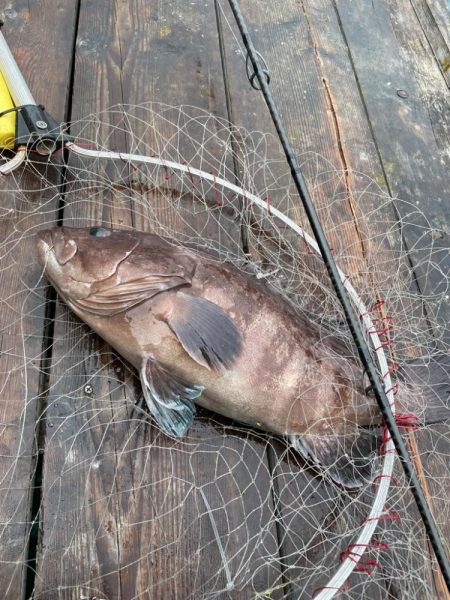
7	122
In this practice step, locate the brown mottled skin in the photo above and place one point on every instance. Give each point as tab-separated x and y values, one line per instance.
286	379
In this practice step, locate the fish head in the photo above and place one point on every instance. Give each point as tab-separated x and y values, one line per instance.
80	260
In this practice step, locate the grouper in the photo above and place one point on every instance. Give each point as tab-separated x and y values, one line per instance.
200	331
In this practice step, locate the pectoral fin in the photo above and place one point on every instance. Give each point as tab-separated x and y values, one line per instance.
204	330
169	399
347	459
120	296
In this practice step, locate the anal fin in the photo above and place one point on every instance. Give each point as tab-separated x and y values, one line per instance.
169	399
346	459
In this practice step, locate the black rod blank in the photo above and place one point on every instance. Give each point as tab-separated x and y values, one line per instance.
352	320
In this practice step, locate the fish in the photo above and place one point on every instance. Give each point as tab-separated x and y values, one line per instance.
200	331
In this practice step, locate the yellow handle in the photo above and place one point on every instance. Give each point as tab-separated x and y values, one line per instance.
7	122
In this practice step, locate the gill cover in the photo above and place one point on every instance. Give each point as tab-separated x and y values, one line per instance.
89	257
125	268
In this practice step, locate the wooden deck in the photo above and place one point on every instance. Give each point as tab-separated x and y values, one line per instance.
363	84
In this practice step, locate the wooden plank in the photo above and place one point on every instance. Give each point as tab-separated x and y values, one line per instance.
323	128
434	35
413	140
23	295
364	159
441	13
415	165
433	446
433	90
144	515
282	36
350	139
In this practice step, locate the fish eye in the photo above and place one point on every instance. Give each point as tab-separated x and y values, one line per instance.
99	232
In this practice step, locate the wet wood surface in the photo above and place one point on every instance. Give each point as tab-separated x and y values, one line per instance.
125	512
23	327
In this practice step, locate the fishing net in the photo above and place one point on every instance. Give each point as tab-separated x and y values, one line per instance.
227	511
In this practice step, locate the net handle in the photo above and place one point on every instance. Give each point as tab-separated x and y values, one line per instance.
18	88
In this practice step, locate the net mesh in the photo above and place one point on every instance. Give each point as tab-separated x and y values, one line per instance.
226	511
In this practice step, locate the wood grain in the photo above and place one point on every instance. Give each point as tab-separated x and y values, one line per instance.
322	130
415	165
412	141
441	14
306	47
23	295
437	38
146	516
125	511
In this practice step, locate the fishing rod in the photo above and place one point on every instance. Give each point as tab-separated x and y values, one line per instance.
351	318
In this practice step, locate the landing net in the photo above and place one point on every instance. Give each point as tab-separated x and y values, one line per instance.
227	510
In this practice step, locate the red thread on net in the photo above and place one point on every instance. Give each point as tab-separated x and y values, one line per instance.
344	588
385	438
383	344
391	516
363	563
407	421
387	321
267	200
219	200
382	332
382	319
376	306
393	367
393	389
168	174
191	177
373	544
394	480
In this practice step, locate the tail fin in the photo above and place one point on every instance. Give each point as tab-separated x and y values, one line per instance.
347	459
424	389
427	383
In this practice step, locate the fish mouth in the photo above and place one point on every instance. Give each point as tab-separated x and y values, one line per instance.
45	248
53	243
